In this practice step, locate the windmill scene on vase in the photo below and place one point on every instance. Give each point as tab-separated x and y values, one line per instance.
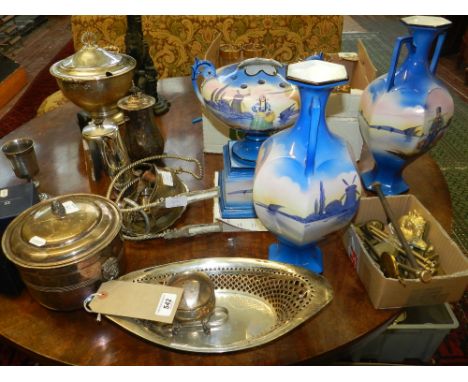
311	209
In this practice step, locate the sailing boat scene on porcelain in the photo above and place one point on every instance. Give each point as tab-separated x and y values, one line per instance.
406	112
306	185
252	96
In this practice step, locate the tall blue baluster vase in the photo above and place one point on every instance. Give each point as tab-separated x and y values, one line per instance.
406	111
306	184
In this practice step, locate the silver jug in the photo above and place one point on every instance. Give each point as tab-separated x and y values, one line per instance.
105	154
143	137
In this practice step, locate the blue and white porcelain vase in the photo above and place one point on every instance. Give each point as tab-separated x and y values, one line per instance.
405	112
306	185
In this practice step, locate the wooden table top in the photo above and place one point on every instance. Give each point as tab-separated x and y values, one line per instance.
76	338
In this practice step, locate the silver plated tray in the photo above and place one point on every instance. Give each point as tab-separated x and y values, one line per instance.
264	300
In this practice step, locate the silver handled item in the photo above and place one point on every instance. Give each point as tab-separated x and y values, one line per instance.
388	211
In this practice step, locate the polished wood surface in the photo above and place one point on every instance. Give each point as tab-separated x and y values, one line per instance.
76	338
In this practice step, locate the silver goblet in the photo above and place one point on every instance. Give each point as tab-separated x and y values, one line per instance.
20	152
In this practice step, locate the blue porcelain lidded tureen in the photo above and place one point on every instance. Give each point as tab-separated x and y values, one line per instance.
236	93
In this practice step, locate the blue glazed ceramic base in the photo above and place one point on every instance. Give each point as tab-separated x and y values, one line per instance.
308	256
233	165
388	172
235	182
245	151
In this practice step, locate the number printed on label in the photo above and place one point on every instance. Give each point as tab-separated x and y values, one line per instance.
166	304
4	193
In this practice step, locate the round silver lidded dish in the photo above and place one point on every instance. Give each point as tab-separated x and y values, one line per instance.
65	247
198	300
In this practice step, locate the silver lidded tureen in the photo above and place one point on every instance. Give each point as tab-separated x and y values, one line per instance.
95	78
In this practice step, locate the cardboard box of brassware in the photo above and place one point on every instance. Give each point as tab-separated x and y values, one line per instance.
448	286
342	108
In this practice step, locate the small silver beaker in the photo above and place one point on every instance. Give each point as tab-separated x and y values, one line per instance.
105	155
20	152
142	135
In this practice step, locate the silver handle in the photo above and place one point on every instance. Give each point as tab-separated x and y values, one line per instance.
193	230
198	196
389	213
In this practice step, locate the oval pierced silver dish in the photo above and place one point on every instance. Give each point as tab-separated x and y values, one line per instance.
264	300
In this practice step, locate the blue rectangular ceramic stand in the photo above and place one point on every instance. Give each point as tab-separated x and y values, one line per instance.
236	183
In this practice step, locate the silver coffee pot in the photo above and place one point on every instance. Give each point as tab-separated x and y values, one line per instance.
143	137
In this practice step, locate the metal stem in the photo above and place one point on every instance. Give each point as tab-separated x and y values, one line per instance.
383	236
424	275
388	211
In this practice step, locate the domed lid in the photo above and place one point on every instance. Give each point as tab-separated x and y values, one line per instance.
198	289
317	72
426	21
61	231
136	101
93	62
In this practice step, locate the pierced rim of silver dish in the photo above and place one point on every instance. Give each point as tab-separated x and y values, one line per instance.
264	299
